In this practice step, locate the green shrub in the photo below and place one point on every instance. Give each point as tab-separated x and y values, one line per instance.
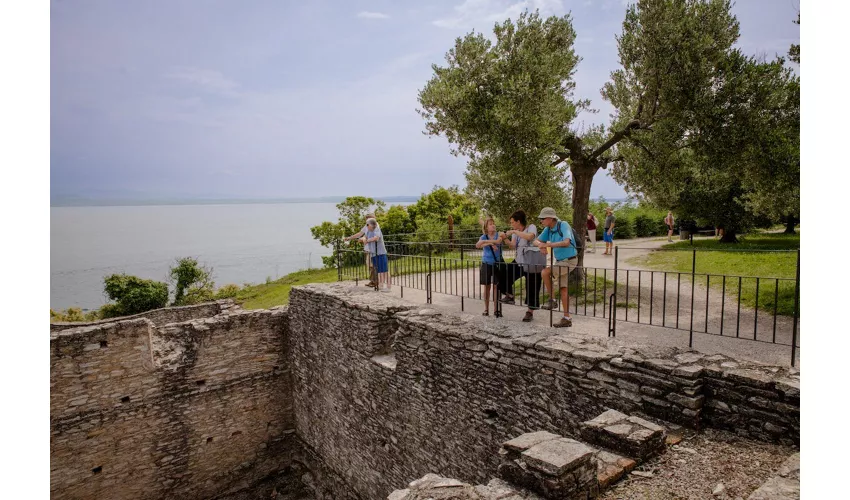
133	295
227	291
623	227
73	314
193	282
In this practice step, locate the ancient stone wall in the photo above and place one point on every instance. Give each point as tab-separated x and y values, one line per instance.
386	392
161	316
192	409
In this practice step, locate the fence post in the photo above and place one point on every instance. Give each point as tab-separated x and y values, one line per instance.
428	285
338	260
693	293
612	331
796	313
552	292
462	274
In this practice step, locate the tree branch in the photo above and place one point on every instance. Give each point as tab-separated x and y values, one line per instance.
615	138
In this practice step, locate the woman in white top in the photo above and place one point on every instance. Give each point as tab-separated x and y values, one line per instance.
529	262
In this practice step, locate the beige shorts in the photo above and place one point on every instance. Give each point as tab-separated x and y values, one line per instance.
561	272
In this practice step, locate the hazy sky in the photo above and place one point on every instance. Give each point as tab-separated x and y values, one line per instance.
215	98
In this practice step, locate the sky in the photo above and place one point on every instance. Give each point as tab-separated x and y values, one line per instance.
278	99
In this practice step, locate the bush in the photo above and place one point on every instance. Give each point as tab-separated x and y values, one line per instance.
227	291
73	314
132	295
193	283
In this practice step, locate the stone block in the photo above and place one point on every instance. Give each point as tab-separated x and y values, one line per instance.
553	468
631	436
526	441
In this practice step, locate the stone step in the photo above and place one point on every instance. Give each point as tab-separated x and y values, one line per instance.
623	434
550	465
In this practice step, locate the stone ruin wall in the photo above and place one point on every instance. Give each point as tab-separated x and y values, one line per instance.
161	316
366	391
387	392
191	409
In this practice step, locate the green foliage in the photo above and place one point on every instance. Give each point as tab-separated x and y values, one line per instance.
724	144
507	105
634	220
352	218
441	202
192	282
132	295
395	221
228	291
73	314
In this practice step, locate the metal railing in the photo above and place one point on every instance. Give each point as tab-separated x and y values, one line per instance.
733	306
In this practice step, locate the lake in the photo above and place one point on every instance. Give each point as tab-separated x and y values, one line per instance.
243	243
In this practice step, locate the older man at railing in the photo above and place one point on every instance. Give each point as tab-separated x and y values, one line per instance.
558	236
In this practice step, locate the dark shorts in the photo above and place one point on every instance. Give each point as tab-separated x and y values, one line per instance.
379	262
608	238
487	274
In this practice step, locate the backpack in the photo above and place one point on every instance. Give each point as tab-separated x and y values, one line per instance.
576	243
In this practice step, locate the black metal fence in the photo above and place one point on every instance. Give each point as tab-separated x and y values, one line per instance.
753	308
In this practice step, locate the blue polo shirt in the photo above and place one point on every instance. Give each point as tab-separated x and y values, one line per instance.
561	232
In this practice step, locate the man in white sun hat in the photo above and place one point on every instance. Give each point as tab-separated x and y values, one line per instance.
557	235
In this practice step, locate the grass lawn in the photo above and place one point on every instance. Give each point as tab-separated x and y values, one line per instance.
748	258
276	292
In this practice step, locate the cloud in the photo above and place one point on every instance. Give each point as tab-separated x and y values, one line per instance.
372	15
476	13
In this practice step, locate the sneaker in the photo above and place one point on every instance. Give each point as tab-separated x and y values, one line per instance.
552	304
508	300
385	289
565	322
528	316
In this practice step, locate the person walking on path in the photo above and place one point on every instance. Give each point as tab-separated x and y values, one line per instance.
608	234
529	262
557	235
373	275
375	244
669	221
591	231
491	242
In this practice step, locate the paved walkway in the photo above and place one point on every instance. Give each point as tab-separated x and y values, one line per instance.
657	320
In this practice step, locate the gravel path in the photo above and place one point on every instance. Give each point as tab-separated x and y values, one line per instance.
699	465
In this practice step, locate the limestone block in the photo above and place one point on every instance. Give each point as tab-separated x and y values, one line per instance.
631	436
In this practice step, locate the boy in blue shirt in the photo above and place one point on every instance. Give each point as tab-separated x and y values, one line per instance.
557	235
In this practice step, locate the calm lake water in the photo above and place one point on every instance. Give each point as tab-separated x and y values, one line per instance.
242	243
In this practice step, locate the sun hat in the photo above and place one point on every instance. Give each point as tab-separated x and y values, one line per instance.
547	212
371	222
609	209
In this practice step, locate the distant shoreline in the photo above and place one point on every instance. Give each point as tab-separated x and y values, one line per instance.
87	202
83	202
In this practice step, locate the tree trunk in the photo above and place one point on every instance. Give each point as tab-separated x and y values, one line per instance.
790	222
582	179
729	236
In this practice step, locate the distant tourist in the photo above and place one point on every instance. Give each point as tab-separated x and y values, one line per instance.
592	222
491	242
373	278
718	232
529	262
378	251
557	235
608	234
669	221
